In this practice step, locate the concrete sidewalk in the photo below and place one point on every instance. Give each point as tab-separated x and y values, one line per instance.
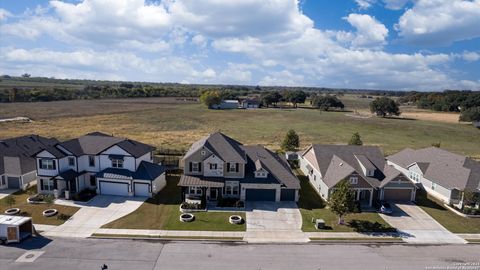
328	235
164	233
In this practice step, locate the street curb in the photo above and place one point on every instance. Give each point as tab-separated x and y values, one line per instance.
219	240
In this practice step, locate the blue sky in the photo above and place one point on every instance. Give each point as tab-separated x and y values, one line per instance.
368	44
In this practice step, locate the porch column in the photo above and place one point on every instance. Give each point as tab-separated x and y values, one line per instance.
371	197
358	194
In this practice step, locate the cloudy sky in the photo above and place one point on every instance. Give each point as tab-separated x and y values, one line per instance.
375	44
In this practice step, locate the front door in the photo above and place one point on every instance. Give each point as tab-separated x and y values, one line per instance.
213	193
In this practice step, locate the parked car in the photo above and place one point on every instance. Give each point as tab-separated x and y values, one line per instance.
385	208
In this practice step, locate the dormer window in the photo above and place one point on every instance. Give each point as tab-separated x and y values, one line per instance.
370	172
213	166
232	167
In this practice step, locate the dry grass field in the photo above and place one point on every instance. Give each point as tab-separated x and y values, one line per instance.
170	123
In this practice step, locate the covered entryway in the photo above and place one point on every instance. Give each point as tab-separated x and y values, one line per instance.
142	189
260	195
13	182
397	195
287	195
113	188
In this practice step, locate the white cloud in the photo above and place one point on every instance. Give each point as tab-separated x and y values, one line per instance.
365	4
439	22
370	32
282	78
396	4
4	14
471	56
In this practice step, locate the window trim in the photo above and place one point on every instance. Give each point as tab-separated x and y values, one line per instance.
353	180
45	166
117	163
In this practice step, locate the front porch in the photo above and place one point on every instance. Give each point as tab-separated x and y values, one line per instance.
67	185
364	196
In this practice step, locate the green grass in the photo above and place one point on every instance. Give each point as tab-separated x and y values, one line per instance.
171	125
162	213
312	206
447	218
35	210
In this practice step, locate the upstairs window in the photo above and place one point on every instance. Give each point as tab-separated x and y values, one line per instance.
91	161
47	164
353	180
117	163
71	161
232	167
213	166
195	167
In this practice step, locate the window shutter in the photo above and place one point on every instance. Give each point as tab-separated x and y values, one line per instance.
55	184
228	166
41	183
190	166
54	164
236	167
39	163
200	166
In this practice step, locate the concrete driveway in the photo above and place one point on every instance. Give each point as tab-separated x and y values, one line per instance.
269	222
97	212
416	226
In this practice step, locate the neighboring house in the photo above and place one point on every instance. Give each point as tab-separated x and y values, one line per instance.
442	174
218	165
227	104
110	165
17	166
365	168
250	103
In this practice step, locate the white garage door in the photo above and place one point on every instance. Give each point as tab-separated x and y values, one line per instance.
142	190
108	188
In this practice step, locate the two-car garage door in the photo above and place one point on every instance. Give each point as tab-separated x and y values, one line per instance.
111	188
260	194
397	194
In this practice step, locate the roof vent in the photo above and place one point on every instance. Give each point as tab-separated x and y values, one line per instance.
341	163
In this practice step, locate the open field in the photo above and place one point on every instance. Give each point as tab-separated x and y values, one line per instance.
169	123
162	213
35	210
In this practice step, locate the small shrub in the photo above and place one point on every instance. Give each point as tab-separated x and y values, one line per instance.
63	217
49	199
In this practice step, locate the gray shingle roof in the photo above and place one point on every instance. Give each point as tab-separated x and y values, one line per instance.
445	168
336	162
95	143
226	148
24	148
145	171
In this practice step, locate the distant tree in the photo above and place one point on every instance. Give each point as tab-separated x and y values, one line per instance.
291	142
384	106
355	140
271	98
470	115
26	75
296	97
13	94
437	144
342	200
327	102
210	98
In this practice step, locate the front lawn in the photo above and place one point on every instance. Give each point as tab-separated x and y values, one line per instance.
447	218
162	213
35	210
312	206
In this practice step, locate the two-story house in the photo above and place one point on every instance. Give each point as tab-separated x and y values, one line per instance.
17	166
442	174
218	165
110	165
364	166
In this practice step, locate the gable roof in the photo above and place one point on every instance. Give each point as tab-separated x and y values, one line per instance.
24	147
276	166
97	142
226	148
444	168
336	162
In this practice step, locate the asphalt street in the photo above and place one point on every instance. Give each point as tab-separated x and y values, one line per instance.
68	253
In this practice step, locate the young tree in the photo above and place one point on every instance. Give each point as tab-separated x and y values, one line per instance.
296	97
355	140
10	200
342	200
327	102
384	106
210	98
291	141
